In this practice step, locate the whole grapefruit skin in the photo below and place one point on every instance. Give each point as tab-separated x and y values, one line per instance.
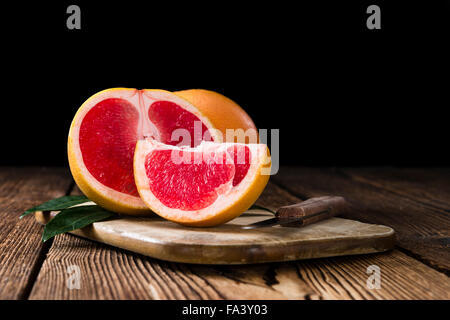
223	112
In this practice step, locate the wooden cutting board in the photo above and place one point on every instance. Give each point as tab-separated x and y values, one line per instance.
230	244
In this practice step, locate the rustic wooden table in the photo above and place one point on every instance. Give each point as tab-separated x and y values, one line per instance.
415	202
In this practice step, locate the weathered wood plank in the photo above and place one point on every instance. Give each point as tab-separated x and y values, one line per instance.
422	229
346	278
111	273
401	277
21	188
430	186
21	248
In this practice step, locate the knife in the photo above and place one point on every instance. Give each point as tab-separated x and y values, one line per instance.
304	213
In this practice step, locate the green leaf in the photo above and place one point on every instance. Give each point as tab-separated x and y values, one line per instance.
256	207
57	204
74	218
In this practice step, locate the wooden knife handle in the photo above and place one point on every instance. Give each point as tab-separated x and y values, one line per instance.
314	209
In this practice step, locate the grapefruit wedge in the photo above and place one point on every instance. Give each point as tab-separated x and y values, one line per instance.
105	129
202	186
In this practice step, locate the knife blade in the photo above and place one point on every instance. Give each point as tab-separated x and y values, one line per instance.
303	213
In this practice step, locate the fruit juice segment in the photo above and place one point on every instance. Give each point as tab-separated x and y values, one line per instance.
169	117
187	185
108	136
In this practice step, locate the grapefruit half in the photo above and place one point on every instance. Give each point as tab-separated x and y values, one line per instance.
105	129
202	186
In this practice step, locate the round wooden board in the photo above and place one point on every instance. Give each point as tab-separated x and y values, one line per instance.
230	244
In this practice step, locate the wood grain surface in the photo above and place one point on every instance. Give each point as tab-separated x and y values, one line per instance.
392	198
21	248
29	271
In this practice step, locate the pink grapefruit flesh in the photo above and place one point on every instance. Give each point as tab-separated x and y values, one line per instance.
241	159
186	186
108	136
168	117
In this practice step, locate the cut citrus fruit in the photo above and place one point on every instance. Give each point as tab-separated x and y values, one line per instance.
202	186
103	136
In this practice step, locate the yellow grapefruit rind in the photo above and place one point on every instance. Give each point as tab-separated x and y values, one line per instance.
230	211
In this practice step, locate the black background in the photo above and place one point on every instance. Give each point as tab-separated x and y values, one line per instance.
339	93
